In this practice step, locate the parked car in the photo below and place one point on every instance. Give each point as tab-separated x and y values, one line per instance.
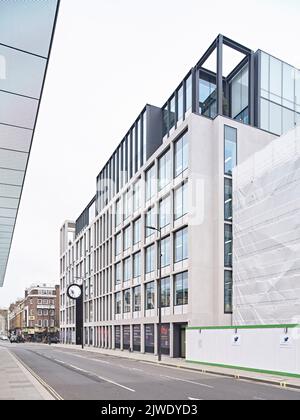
54	340
4	338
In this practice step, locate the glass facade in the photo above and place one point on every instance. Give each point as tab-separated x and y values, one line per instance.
279	95
165	292
137	299
127	270
181	201
165	252
164	170
26	31
127	301
181	155
150	259
165	212
240	96
137	265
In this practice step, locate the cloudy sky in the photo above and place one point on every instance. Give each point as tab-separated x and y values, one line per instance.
110	58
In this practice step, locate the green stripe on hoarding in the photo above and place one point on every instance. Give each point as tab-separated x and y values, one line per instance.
268	372
245	327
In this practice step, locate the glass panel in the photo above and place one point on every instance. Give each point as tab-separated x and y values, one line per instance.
275	119
13	160
172	118
265	114
181	289
228	245
180	104
288	83
165	212
27	82
181	245
228	199
297	94
17	110
165	293
165	252
181	155
188	93
150	259
230	149
15	138
288	118
165	120
27	25
275	76
265	71
164	170
150	296
228	292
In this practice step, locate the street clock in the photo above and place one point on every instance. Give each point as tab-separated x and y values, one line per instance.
74	291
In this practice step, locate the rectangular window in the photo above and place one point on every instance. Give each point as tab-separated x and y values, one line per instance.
126	337
165	252
137	196
228	199
181	155
150	258
150	221
126	302
118	215
127	204
165	120
230	149
127	269
137	265
228	292
137	338
228	246
137	299
165	292
117	337
150	178
165	212
118	244
137	232
188	93
180	104
150	296
181	245
118	274
172	116
127	238
164	170
118	303
149	338
181	289
181	201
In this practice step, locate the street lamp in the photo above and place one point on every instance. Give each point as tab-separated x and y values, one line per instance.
82	308
158	292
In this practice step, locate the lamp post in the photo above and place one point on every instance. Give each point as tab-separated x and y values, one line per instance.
82	309
158	292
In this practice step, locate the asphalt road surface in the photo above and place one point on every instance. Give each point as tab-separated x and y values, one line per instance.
82	375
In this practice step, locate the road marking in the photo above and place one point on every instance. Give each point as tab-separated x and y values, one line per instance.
115	383
86	358
187	381
195	399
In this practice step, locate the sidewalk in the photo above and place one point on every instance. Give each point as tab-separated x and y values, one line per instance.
281	381
16	383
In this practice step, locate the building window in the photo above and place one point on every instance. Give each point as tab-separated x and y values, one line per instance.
127	269
40	312
164	170
137	196
149	338
118	215
117	337
118	303
240	94
165	212
137	231
230	149
118	274
127	204
181	201
40	301
137	265
181	245
46	323
150	183
188	93
45	312
126	301
180	104
150	221
228	292
181	155
228	245
150	259
127	238
137	299
150	295
118	244
165	292
165	252
228	199
181	289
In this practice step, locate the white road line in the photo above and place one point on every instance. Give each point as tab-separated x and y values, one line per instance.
86	358
187	381
100	377
195	399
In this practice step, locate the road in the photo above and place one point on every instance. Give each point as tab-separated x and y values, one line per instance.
82	375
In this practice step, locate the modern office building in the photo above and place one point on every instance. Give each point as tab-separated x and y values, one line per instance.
172	173
26	36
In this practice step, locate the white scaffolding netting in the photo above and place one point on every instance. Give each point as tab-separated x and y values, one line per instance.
266	229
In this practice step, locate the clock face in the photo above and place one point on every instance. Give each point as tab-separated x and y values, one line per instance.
74	291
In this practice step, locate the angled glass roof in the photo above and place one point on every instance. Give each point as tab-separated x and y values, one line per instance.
26	34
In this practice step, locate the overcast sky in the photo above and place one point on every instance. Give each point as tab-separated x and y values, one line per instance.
110	58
